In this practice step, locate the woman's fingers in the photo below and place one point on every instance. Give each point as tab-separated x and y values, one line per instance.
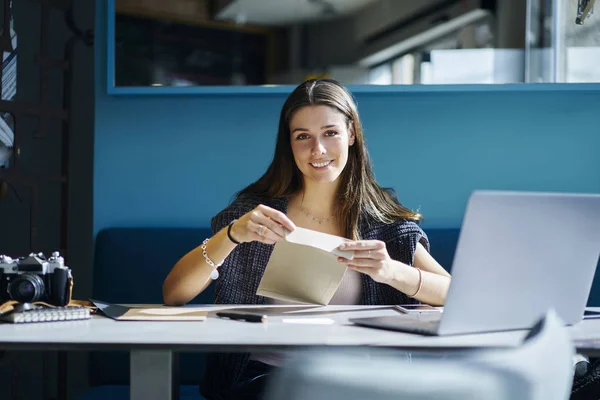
262	233
362	245
278	217
362	262
370	254
263	224
269	223
369	249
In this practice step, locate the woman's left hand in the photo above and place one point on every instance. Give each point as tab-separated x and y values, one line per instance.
371	258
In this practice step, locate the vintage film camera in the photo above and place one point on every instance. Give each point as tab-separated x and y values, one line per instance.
35	278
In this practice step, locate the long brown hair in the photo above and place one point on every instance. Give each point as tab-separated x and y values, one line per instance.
358	191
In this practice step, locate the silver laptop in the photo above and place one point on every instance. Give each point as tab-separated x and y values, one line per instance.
518	254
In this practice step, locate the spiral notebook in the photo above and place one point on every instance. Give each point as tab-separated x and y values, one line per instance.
44	314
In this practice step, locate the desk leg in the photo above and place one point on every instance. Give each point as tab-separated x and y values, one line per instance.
151	375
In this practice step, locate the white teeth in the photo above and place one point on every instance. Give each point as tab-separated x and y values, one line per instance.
320	165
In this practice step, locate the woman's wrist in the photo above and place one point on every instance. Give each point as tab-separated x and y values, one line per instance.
216	248
405	278
230	235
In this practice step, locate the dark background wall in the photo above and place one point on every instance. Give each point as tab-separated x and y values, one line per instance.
42	156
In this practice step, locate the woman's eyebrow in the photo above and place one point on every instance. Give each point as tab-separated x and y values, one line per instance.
323	127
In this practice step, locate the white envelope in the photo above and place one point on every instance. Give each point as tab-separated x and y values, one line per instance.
304	268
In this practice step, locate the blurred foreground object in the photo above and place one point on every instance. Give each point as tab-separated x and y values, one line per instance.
540	368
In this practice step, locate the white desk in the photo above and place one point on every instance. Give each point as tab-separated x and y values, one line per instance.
151	344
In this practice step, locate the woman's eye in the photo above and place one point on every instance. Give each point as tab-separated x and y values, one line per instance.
331	133
301	137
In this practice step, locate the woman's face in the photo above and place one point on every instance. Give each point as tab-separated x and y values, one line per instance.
320	138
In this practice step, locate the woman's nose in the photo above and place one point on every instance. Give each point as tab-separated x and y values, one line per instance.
318	148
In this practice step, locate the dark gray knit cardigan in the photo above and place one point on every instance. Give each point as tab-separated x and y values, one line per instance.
242	270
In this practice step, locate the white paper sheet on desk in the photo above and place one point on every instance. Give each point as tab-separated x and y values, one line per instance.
304	268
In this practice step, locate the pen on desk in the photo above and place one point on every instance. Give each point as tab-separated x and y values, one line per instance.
242	316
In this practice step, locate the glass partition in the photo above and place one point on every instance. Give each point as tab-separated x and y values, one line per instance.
563	43
219	43
581	50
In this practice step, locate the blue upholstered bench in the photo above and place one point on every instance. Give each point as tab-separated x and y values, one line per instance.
130	265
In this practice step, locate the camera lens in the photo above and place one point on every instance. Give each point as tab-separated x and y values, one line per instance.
27	288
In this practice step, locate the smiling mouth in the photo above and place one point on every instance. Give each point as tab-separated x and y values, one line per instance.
321	164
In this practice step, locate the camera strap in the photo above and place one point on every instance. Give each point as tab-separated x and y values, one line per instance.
8	306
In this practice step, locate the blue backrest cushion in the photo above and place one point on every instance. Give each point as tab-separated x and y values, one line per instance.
442	243
130	265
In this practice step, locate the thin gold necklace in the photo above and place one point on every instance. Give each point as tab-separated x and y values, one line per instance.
319	220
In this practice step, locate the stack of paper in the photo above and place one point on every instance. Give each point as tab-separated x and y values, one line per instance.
304	268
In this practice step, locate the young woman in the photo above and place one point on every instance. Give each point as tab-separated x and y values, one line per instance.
320	178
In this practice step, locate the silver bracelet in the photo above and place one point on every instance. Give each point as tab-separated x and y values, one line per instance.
214	273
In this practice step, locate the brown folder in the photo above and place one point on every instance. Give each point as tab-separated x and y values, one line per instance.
150	312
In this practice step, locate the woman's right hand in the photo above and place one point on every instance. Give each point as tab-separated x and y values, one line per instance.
263	224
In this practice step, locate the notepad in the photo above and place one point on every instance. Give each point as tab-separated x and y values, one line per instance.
303	268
